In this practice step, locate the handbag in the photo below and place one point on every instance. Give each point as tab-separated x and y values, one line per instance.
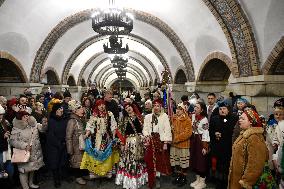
21	156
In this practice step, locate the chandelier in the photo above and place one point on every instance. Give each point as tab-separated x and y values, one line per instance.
121	73
112	21
119	61
114	46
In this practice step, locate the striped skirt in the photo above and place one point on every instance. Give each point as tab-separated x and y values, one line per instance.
179	157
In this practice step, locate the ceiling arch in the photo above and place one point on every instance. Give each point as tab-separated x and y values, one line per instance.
109	67
112	76
106	77
82	16
128	79
140	75
92	60
239	34
97	38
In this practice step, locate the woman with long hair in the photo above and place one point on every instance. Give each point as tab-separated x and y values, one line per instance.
199	143
131	173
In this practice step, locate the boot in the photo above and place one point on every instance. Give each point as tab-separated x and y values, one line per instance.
195	182
31	181
24	180
182	181
56	178
176	180
158	183
81	181
201	184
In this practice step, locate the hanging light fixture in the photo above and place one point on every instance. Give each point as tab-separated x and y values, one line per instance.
112	21
119	61
114	46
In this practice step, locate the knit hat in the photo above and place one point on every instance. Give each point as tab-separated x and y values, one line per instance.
2	110
253	117
66	93
242	100
56	106
74	105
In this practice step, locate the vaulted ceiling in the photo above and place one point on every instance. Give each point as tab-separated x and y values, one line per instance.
167	34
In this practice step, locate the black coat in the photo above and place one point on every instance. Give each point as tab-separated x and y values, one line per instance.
222	149
113	107
4	127
56	145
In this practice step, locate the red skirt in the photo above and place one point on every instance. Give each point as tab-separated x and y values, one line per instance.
198	160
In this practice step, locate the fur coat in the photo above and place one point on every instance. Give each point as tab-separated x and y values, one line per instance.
248	158
21	136
74	130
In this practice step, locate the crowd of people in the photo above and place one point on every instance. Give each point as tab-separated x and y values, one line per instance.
133	140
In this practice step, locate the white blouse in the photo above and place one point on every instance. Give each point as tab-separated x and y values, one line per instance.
163	127
202	128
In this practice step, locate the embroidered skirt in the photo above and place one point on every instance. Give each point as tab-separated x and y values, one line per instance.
131	172
179	157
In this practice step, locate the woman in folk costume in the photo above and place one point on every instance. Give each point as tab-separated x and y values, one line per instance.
131	173
157	133
199	144
99	158
249	152
182	131
274	132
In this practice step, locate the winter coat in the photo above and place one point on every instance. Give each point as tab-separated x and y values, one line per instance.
182	131
73	131
222	149
248	158
56	142
4	127
21	135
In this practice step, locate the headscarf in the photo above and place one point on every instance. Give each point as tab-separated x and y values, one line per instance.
135	110
253	117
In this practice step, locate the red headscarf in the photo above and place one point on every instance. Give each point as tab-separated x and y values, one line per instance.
253	117
96	111
158	101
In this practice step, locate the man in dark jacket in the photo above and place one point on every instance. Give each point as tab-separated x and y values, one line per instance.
67	97
111	104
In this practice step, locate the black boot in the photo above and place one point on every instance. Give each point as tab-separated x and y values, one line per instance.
176	180
182	181
56	178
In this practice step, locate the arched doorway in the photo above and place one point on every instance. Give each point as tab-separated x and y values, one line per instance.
10	72
215	70
71	81
51	78
122	85
180	77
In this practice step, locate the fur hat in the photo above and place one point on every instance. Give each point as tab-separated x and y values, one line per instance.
2	110
74	105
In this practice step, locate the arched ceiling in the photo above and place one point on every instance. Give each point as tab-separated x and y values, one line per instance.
58	34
